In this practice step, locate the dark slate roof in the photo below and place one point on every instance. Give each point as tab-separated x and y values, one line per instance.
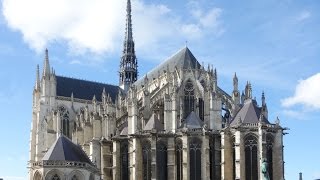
83	89
183	59
153	123
249	113
64	149
192	121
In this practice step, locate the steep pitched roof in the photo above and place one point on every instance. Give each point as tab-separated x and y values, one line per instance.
249	113
64	149
83	89
154	123
192	121
183	59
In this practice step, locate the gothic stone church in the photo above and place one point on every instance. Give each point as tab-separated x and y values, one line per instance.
173	123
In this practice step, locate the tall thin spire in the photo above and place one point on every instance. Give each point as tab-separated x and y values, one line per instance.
46	65
128	64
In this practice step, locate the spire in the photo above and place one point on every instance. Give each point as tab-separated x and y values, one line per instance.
300	176
37	85
263	99
235	82
46	65
128	64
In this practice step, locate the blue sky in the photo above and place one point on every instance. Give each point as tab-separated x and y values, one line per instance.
273	44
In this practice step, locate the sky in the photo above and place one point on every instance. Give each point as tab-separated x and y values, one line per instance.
273	44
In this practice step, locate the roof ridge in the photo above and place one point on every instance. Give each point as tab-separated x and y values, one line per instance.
97	82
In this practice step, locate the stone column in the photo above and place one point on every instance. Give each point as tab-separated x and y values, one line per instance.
154	158
171	159
227	156
106	160
185	158
277	153
205	158
135	159
238	155
116	160
95	152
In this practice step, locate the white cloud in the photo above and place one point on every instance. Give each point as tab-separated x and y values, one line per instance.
303	16
97	26
306	93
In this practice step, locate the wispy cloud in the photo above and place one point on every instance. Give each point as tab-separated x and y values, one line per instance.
14	177
306	93
94	26
303	15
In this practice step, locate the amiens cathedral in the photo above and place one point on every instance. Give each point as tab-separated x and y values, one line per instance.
174	123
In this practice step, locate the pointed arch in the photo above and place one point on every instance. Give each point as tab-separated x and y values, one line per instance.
54	174
189	98
37	176
64	121
76	175
251	157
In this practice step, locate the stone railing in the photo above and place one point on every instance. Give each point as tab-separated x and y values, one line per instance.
65	164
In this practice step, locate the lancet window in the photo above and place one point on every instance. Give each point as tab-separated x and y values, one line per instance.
162	161
146	160
55	177
179	159
195	159
64	118
124	162
188	98
251	157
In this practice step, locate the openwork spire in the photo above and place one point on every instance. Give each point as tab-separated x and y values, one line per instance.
128	64
37	85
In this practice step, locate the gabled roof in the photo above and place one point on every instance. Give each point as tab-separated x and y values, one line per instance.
64	149
249	113
153	123
83	89
192	121
183	59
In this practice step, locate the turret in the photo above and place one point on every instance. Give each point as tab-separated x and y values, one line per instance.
235	93
128	64
248	91
264	108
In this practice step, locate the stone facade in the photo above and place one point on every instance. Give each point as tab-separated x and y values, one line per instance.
173	123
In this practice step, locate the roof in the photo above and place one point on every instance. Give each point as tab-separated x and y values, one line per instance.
183	59
153	123
249	113
64	149
192	121
83	89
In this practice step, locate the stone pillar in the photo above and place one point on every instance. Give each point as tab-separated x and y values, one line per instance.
277	150
185	158
116	160
261	148
238	155
106	160
205	158
168	125
226	157
154	158
95	152
171	159
135	159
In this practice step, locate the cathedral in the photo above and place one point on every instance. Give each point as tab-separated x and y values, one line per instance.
174	123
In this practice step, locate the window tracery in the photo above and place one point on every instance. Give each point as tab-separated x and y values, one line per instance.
188	98
195	159
251	157
64	118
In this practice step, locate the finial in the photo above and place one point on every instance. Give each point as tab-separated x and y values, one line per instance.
186	44
37	86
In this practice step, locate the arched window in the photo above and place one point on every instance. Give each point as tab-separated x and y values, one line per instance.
37	176
201	109
188	98
179	159
55	177
146	159
64	118
162	161
270	155
124	162
195	159
251	157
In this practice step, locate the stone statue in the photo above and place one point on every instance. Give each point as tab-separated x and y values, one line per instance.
264	169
